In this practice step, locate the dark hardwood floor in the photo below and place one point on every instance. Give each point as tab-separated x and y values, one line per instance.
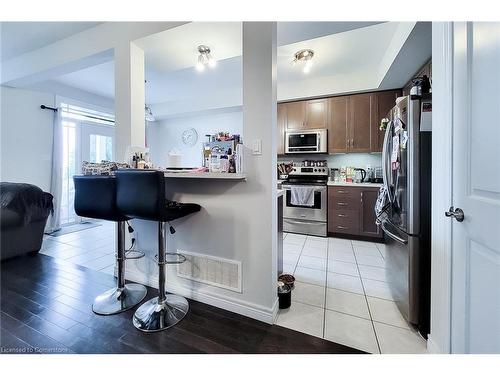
46	308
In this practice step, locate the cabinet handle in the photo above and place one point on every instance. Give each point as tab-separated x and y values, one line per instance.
341	215
341	227
341	191
342	204
352	142
361	197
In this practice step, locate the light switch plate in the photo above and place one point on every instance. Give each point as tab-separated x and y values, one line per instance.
257	147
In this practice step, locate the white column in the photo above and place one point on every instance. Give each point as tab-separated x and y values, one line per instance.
129	98
259	126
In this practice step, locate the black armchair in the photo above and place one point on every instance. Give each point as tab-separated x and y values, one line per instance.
24	209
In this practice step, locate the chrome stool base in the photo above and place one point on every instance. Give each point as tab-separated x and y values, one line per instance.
116	300
153	316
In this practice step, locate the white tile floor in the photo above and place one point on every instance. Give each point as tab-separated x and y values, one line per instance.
341	294
340	291
92	248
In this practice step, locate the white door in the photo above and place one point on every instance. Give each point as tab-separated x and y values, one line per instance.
475	324
82	141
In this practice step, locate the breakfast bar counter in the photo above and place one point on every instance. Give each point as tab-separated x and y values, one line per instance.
207	175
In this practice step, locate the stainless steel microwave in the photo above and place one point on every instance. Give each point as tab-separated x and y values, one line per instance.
312	141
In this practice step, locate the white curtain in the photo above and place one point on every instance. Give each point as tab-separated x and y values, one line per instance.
54	222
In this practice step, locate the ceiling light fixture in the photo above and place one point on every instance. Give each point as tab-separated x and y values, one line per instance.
205	58
304	56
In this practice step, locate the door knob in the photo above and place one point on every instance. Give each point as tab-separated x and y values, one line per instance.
456	213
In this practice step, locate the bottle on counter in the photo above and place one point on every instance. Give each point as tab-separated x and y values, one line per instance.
141	164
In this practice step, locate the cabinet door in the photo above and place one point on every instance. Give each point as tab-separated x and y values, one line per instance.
281	120
361	117
385	100
337	124
316	114
367	220
295	115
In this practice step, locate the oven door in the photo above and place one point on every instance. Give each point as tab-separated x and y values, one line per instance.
316	213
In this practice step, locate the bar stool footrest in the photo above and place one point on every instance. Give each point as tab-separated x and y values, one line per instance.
134	254
180	258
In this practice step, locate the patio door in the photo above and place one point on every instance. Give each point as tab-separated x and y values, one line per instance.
82	141
97	142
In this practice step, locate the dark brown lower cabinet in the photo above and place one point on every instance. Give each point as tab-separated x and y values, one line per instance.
351	211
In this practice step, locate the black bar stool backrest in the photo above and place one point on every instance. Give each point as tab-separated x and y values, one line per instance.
141	193
95	197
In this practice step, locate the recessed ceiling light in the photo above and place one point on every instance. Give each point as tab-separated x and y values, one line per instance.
205	58
304	56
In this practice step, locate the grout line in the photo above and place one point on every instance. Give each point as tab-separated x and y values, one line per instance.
326	286
366	300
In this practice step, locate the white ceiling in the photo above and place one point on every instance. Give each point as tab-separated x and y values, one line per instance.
359	50
293	32
22	37
177	48
349	56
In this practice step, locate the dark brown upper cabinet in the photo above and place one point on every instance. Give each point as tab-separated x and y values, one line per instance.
352	120
361	118
316	114
338	124
295	115
281	120
385	100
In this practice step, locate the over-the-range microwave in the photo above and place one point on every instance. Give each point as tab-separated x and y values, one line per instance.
313	141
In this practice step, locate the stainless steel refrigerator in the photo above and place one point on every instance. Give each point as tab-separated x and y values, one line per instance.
407	224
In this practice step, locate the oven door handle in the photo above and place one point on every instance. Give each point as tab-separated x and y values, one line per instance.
316	189
291	221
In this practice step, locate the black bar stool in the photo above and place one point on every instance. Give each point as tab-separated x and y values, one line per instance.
95	197
141	195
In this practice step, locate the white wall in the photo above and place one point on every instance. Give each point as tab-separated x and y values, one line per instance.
238	219
164	136
441	252
27	131
26	136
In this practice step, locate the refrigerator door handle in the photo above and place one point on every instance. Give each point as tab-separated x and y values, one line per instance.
385	155
395	237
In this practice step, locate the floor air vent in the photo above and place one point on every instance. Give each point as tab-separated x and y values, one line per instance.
219	272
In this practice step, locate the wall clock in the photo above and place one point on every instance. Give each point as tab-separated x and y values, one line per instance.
189	137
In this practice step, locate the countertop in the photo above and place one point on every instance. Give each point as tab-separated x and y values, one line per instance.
354	184
207	175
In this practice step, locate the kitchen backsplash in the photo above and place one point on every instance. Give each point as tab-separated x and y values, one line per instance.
360	160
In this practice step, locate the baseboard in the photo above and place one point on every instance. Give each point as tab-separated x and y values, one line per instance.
224	302
432	348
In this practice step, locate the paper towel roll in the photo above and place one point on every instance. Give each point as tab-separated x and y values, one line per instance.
174	159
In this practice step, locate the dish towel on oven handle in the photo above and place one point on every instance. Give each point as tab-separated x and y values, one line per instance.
302	196
382	204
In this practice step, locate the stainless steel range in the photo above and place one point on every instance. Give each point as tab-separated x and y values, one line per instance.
308	218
